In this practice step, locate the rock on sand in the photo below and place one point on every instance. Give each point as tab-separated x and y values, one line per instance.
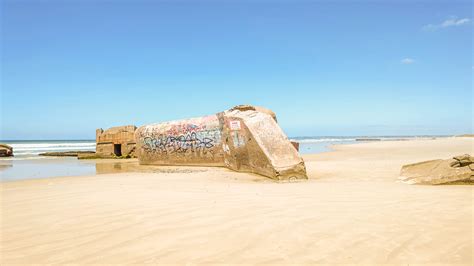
435	172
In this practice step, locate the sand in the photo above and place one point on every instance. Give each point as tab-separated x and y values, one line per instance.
352	210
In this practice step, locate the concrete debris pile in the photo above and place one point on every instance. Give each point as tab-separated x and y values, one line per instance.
435	172
6	150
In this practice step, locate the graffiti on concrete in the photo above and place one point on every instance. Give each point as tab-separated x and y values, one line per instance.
191	137
193	142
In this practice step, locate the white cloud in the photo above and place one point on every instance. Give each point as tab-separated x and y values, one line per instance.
452	22
407	61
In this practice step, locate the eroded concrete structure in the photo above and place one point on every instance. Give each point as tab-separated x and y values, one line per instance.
436	172
116	141
6	150
244	138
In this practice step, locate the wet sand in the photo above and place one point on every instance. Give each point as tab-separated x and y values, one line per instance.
351	210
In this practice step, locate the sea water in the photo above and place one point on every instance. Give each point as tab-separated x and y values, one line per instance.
28	164
30	149
320	144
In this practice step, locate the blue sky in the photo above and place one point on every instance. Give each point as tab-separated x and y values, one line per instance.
325	68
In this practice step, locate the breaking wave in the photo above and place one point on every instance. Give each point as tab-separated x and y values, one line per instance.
23	149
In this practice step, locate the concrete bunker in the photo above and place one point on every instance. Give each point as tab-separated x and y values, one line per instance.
244	138
116	141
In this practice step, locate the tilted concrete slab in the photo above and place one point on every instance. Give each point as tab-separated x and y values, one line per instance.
244	138
436	172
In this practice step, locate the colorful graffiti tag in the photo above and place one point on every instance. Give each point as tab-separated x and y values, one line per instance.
199	141
197	136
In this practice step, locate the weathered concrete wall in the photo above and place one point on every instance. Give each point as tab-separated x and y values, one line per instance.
122	135
244	138
195	141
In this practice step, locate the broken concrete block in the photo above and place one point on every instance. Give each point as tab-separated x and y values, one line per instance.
6	150
437	172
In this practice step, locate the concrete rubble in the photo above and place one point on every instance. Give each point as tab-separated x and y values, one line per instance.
244	138
6	150
68	153
435	172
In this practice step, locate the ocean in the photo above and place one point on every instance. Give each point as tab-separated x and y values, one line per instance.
30	149
320	144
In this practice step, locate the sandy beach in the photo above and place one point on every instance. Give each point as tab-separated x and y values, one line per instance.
351	210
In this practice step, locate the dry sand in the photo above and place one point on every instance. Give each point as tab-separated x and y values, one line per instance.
351	210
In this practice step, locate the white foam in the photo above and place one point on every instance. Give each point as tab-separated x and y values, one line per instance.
50	145
54	148
26	150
